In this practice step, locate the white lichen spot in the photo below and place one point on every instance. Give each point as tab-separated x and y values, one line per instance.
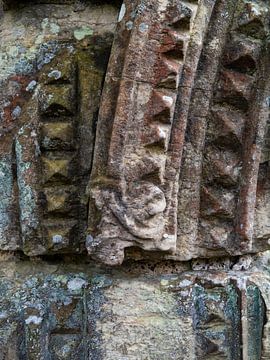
67	301
168	99
163	5
44	23
16	112
164	282
33	320
39	39
55	74
13	51
31	86
122	12
255	10
50	26
66	350
162	133
214	44
76	284
57	239
89	239
129	25
185	283
54	28
3	315
82	32
228	197
143	27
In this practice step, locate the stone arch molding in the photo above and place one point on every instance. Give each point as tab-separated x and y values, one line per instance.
179	172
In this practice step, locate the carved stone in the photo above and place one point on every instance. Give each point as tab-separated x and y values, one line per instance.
134	134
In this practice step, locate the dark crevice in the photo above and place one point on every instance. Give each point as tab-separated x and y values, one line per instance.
244	64
254	29
78	4
16	191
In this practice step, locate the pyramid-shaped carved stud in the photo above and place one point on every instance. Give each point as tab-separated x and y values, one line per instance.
173	45
168	73
57	136
222	167
235	88
161	106
55	169
57	100
59	235
179	16
251	19
242	55
157	136
220	204
226	127
59	199
61	70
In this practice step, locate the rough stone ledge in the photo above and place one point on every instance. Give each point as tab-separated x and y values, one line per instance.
49	309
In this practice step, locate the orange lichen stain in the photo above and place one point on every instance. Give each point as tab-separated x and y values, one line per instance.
16	101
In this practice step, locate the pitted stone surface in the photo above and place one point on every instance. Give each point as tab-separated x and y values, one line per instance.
151	136
78	311
134	134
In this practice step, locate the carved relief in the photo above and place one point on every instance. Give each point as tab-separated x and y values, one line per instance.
188	83
217	209
242	87
215	315
217	322
61	159
49	327
57	101
130	181
48	128
159	157
167	160
223	313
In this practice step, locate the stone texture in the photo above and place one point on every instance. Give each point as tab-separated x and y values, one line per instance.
208	195
165	159
49	120
134	180
77	311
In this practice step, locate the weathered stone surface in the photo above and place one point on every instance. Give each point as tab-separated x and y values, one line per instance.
48	123
134	134
176	137
219	69
138	161
81	312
